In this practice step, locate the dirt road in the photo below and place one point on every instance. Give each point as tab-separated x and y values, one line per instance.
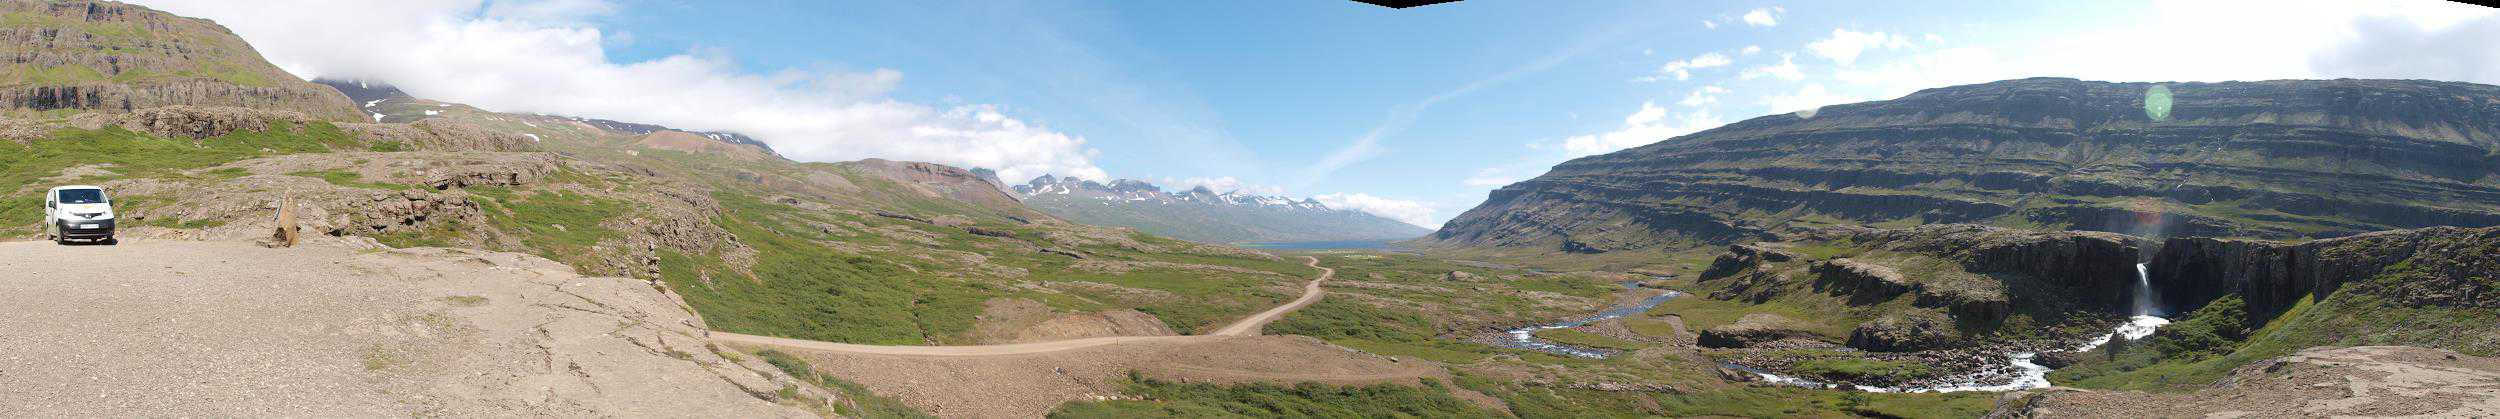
1247	326
169	328
1250	326
1029	379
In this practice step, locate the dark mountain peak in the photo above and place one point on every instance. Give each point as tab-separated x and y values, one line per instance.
1133	185
365	93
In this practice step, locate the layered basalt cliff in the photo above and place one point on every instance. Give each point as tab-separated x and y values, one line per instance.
2441	266
1921	287
107	56
2272	159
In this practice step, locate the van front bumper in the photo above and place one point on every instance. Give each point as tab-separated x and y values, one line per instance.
90	229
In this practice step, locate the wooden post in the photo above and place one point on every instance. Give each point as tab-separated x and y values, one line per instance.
287	231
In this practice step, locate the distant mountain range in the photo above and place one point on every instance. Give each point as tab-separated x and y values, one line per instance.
382	102
1201	214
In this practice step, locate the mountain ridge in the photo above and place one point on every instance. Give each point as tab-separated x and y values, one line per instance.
1202	214
2268	159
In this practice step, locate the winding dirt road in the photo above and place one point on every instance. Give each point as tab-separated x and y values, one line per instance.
1247	326
1023	380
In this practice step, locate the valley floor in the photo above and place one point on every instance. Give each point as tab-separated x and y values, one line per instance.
1030	379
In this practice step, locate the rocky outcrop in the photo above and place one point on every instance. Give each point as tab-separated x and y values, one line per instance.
442	135
1864	283
938	180
1904	332
1745	256
2440	266
113	57
2278	159
1753	330
2100	267
243	208
192	122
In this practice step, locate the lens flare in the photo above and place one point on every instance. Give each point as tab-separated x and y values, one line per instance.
2157	103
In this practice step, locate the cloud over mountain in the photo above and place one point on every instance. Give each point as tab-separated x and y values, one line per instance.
547	57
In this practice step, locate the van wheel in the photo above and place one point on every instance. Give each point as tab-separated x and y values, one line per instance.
112	241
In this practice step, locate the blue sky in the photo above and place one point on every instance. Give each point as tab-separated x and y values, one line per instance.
1413	114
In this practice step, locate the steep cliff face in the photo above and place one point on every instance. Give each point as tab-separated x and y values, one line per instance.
99	55
2442	266
2273	159
1911	288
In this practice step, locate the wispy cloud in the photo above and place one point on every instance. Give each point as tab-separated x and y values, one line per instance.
1786	70
1491	177
1414	212
1648	125
1764	17
1219	184
1683	69
1844	45
1704	96
1400	118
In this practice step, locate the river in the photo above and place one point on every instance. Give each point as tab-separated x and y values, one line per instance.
1525	337
2027	374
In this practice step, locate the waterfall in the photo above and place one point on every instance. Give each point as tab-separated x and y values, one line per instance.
2143	290
2145	318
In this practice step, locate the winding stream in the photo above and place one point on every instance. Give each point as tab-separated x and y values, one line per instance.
1525	337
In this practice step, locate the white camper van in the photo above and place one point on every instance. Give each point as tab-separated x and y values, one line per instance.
78	212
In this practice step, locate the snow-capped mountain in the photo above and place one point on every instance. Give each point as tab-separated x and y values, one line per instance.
1203	214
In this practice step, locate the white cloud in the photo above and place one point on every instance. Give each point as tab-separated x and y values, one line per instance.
2215	41
1750	50
1844	45
1807	100
1683	69
544	57
1418	213
1221	184
1491	177
1703	96
1764	16
1786	70
1649	125
1707	24
2395	47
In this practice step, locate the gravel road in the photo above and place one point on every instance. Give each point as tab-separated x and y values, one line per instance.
174	328
1247	326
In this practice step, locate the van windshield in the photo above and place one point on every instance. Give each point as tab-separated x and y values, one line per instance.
82	196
